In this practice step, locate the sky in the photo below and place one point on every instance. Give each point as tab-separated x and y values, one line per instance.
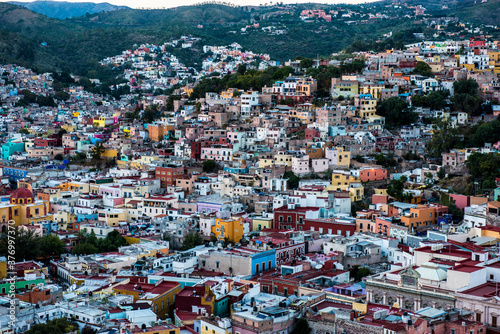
176	3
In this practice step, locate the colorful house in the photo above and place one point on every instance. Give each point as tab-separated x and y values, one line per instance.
231	228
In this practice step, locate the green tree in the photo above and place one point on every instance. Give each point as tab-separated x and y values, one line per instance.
56	326
483	132
61	132
423	68
209	166
396	112
305	63
27	245
84	249
151	113
466	97
24	131
61	95
441	173
429	179
302	327
444	138
241	69
293	180
385	161
396	188
323	75
79	157
97	151
484	166
59	157
51	245
362	272
191	240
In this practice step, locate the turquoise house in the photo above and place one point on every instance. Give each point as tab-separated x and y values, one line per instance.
11	147
496	196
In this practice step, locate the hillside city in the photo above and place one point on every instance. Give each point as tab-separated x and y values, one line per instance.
242	194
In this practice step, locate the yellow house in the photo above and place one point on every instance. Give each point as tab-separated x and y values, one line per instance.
341	181
264	162
111	217
370	88
283	159
82	187
161	294
110	154
68	127
488	231
231	228
149	159
366	108
78	186
347	182
494	60
23	209
380	191
63	218
101	122
260	223
338	156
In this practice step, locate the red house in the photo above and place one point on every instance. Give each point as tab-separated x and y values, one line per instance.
330	226
291	218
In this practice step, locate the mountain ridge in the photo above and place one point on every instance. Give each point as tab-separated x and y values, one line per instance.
64	9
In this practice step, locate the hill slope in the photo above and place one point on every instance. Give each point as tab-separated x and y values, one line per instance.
64	9
77	44
481	13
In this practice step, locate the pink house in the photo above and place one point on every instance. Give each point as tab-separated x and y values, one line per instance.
194	133
319	165
300	165
218	153
461	201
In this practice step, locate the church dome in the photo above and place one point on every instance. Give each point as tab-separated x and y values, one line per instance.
22	196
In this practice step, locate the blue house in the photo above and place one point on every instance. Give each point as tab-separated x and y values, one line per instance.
15	173
263	261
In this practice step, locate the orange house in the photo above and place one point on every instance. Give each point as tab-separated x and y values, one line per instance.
373	174
383	226
423	215
158	131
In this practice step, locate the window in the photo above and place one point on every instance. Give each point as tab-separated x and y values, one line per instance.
478	317
257	268
493	321
217	264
